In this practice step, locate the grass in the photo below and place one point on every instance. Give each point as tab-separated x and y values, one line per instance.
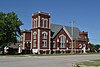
54	54
48	54
94	53
90	63
12	55
25	55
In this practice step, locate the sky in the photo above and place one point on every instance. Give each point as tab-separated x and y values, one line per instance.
85	13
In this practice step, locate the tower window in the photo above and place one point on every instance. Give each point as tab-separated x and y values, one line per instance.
44	22
44	35
34	35
44	43
35	23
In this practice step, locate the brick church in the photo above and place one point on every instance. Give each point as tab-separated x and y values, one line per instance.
45	37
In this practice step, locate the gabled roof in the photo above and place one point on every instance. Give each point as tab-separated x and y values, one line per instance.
55	28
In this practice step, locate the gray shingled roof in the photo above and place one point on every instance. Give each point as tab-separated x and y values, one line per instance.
55	28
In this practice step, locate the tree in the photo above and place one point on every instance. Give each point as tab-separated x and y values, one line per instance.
9	28
97	47
92	47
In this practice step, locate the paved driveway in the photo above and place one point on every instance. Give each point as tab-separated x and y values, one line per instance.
45	61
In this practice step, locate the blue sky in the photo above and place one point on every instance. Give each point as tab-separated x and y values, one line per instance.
85	13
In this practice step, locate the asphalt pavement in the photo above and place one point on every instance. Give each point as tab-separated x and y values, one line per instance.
45	61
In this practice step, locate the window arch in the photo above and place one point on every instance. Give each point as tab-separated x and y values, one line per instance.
44	35
62	41
34	35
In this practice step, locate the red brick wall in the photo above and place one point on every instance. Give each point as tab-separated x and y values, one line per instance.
46	30
57	37
28	36
35	30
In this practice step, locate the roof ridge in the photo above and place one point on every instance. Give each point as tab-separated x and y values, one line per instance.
62	25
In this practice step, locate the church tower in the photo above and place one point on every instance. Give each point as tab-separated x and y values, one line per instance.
40	33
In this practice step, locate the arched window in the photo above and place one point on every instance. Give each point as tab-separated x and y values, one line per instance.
35	23
44	35
62	41
44	22
34	35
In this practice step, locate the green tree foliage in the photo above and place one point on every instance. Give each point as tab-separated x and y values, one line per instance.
97	47
9	28
94	47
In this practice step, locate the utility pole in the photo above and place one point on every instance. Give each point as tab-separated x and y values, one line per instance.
72	33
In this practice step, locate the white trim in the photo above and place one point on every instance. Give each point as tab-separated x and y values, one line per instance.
44	44
67	40
44	49
32	23
38	40
67	33
42	22
31	39
49	40
49	23
45	32
62	35
45	35
35	22
46	22
38	21
35	34
23	40
62	41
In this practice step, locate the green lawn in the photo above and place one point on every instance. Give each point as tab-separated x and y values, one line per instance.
90	63
54	54
25	55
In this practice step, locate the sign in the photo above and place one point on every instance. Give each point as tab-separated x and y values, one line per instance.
34	50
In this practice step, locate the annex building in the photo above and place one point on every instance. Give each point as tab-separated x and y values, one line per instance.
45	37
